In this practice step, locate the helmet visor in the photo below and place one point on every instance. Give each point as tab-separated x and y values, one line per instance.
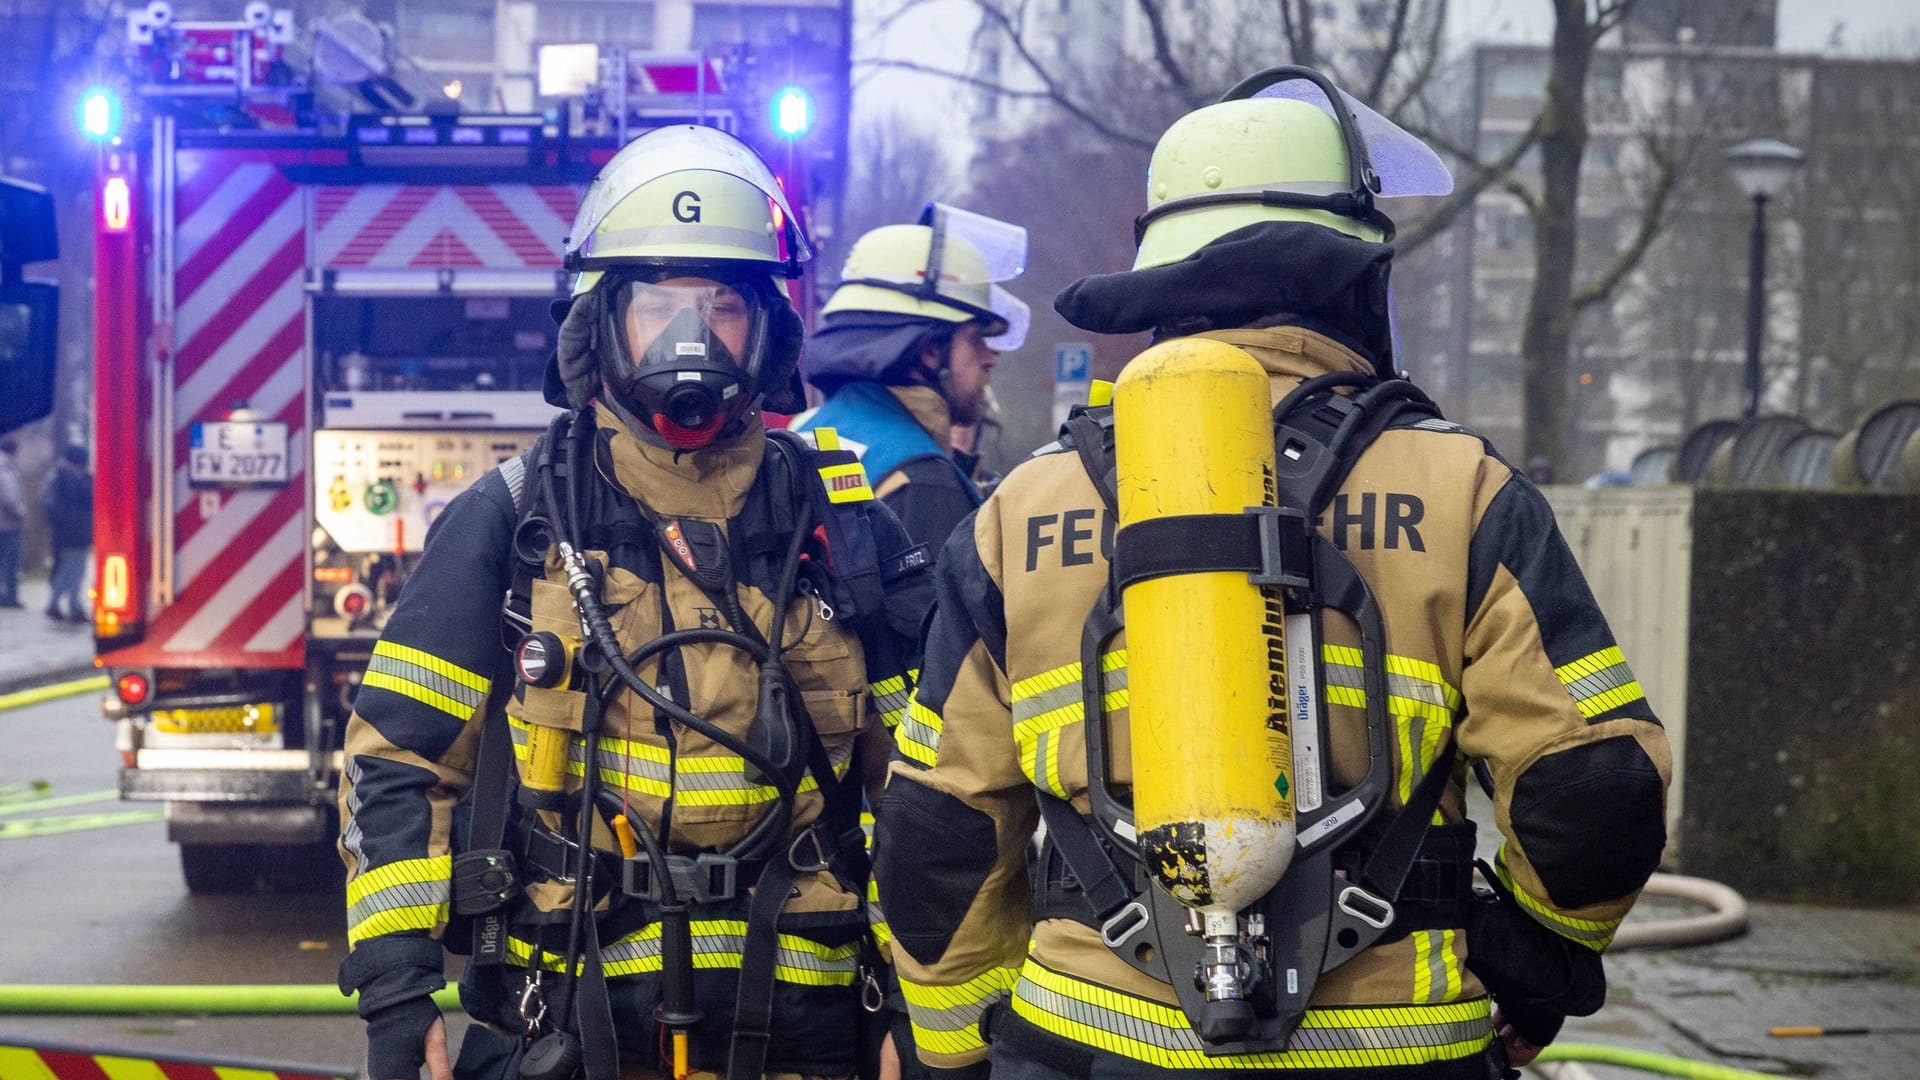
681	148
1405	165
1012	311
993	250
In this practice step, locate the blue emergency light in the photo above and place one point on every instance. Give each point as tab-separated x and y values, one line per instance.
99	114
792	112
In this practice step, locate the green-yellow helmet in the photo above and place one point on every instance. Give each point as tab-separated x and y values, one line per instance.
685	196
946	268
1274	149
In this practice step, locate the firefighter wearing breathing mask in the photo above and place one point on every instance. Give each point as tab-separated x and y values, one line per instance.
631	791
1237	641
905	353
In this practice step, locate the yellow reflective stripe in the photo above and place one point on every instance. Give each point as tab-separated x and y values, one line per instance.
381	680
890	697
1595	934
1328	1038
1600	681
918	736
946	1019
846	483
427	679
432	663
825	438
1436	970
1051	701
1414	687
430	870
708	780
716	945
410	894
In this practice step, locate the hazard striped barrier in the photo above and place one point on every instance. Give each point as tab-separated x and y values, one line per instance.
48	1061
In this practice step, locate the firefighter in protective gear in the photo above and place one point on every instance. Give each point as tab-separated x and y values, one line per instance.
1263	234
907	347
656	860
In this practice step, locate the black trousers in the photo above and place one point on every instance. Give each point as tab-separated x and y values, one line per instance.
1021	1051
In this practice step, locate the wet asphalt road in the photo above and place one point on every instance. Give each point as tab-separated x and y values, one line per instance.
108	906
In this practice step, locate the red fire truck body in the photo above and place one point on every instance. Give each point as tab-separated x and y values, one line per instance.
307	341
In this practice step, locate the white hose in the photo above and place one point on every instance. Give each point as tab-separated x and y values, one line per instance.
1726	916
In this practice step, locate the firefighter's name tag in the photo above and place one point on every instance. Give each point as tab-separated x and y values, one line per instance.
237	453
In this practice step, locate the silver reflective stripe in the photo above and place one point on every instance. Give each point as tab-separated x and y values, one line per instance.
427	679
514	472
679	234
1374	1028
1612	677
405	894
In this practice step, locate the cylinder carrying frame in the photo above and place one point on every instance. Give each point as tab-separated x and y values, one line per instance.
1343	891
575	1038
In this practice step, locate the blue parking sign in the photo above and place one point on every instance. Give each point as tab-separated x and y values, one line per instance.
1073	362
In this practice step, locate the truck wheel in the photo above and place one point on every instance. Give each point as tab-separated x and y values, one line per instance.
306	868
220	868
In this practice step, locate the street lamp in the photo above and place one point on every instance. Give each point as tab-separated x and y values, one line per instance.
1762	168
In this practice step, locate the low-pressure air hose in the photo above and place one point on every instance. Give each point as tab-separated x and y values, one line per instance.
1727	917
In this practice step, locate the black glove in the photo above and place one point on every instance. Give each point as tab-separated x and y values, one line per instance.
397	1038
1538	1026
1537	977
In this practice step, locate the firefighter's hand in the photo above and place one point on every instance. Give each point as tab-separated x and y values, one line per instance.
405	1035
1520	1052
889	1059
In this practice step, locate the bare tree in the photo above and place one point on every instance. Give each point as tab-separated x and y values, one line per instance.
896	168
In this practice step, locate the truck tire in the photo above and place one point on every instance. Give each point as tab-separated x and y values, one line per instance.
216	869
306	868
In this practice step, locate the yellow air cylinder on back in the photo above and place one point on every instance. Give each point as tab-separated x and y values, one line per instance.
1212	760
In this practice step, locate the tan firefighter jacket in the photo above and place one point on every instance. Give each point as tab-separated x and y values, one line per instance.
411	747
1492	634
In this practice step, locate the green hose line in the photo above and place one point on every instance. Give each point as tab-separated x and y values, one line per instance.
222	1000
20	699
1646	1061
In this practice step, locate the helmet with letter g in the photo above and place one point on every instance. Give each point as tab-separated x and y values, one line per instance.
1234	193
922	303
677	320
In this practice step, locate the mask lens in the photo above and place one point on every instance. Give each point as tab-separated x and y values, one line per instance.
677	324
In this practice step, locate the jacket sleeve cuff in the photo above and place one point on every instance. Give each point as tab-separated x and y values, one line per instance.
387	970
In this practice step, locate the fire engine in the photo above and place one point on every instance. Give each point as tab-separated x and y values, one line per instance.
311	331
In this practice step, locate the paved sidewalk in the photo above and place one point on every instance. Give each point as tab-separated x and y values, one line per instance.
36	650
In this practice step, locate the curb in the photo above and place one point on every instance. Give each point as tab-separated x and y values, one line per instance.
27	690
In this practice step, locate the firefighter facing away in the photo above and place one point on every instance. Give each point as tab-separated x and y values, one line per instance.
1248	730
632	792
908	346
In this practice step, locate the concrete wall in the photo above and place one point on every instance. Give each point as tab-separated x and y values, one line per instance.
1777	634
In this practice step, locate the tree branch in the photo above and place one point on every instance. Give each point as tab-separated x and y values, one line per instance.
1030	95
1606	17
1651	217
882	24
1395	35
1163	49
1417	85
1464	196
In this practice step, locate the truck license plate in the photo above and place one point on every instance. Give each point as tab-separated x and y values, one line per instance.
237	453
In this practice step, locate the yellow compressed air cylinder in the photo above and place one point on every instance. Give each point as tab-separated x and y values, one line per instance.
1211	754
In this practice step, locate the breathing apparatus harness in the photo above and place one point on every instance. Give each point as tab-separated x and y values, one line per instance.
569	1033
1356	880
